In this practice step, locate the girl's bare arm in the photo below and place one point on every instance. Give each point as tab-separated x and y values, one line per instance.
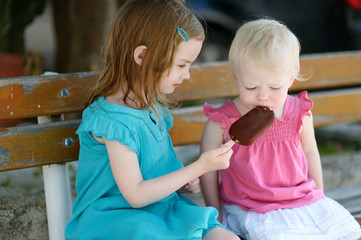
139	192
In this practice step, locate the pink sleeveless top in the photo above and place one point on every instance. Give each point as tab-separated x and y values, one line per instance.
271	173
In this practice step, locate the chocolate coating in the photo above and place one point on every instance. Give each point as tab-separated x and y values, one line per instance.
252	125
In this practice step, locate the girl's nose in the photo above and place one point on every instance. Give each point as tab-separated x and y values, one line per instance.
186	73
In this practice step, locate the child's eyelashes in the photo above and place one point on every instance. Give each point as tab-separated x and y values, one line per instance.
275	88
251	88
254	88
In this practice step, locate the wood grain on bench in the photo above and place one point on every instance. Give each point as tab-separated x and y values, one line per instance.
36	145
54	94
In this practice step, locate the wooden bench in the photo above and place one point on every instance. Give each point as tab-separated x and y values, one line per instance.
335	88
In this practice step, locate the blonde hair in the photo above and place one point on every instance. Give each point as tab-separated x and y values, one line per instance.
152	24
268	42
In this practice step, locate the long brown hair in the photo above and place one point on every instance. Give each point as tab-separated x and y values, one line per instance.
152	23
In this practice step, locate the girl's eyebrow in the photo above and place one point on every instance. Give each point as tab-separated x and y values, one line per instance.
185	60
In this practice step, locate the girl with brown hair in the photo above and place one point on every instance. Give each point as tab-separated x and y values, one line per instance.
128	171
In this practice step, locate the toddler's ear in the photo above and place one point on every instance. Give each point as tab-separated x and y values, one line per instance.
139	54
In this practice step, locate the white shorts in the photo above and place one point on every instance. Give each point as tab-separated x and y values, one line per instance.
323	220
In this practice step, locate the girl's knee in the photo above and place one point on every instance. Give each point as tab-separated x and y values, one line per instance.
219	233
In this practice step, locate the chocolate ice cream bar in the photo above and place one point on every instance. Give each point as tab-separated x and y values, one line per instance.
252	125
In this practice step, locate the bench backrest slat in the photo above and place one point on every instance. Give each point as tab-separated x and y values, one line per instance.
36	145
325	71
34	96
54	94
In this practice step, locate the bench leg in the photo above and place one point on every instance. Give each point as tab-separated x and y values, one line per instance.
58	199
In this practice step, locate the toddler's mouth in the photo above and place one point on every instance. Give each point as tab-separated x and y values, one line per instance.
264	106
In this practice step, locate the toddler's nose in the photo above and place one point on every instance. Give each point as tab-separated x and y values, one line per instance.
262	94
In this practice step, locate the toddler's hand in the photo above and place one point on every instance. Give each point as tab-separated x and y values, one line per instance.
193	186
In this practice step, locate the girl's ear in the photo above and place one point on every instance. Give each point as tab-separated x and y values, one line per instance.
139	54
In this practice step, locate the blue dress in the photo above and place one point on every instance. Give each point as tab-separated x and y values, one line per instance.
100	211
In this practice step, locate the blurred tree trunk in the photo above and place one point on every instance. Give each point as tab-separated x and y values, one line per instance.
15	16
80	28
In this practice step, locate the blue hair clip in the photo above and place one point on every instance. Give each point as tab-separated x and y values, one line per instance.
183	34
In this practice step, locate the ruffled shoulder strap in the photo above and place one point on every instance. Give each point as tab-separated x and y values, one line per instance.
225	114
216	114
112	129
306	105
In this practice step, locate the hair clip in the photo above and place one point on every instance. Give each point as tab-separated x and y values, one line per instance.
183	34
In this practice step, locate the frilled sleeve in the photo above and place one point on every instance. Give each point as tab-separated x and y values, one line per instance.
109	128
225	114
306	105
212	113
